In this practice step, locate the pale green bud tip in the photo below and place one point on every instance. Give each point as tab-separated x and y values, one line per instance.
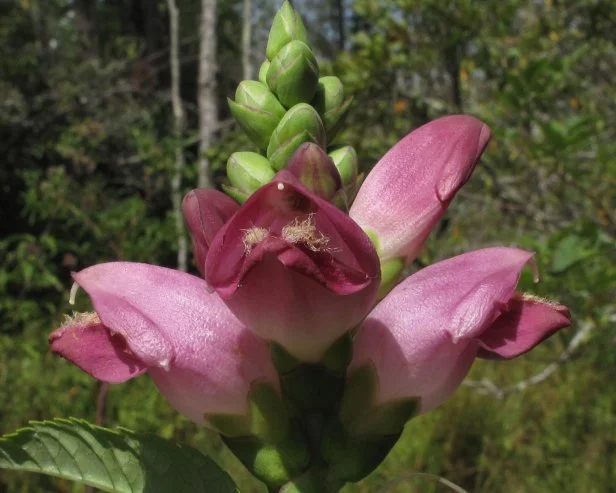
330	93
300	124
257	111
287	26
330	102
346	162
248	171
263	72
294	74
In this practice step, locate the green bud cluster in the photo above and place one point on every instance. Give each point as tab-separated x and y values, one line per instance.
289	105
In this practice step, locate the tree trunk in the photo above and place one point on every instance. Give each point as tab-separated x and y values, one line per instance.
339	4
208	112
247	40
178	131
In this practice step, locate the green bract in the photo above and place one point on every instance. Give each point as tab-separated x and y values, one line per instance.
294	74
287	27
257	111
300	124
248	171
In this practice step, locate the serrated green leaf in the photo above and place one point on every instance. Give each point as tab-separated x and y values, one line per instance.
112	460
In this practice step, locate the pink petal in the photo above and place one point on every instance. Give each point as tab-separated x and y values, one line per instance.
197	352
521	328
286	290
410	188
421	337
87	343
206	211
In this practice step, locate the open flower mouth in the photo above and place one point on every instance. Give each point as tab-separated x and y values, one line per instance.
303	232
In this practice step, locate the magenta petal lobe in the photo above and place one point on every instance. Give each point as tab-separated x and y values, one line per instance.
87	343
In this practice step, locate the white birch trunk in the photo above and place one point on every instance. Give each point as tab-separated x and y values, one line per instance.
208	112
247	68
178	131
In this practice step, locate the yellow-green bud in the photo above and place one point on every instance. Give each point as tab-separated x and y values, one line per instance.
300	124
331	104
346	162
286	27
263	71
257	111
248	171
294	74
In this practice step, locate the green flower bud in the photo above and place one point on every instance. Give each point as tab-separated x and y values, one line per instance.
294	74
263	71
331	104
248	171
346	162
287	27
300	124
257	111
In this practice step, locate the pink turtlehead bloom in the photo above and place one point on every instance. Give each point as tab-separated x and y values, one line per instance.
410	188
294	268
164	322
206	211
424	336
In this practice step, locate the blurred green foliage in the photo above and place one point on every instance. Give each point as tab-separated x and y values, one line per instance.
85	121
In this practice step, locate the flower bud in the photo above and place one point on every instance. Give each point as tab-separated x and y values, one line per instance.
345	160
294	74
331	104
248	171
287	26
263	71
257	111
315	170
300	124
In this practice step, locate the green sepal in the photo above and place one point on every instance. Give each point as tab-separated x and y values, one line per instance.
237	195
391	270
257	111
300	124
273	463
359	414
283	361
294	74
315	480
312	388
339	355
248	171
267	417
349	458
346	162
263	72
287	26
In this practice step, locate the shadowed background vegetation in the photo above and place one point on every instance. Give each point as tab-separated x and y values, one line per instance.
87	157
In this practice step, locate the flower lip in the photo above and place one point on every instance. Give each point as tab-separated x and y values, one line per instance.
302	231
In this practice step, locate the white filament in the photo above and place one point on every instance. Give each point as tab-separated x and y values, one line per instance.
74	289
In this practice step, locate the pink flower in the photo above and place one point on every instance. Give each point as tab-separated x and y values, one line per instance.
206	211
294	268
422	339
164	322
410	188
